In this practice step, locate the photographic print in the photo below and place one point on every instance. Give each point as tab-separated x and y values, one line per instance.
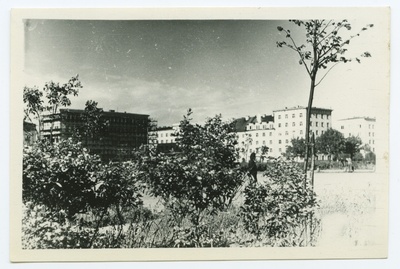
199	134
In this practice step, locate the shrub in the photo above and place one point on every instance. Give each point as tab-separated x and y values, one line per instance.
60	177
202	176
276	209
65	178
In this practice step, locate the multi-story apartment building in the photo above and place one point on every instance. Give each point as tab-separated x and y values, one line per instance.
124	132
254	133
291	123
362	127
166	137
276	131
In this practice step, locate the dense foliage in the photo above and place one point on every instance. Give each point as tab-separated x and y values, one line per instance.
73	200
202	175
64	176
276	209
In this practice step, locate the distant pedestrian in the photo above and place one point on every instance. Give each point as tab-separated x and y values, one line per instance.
252	167
243	164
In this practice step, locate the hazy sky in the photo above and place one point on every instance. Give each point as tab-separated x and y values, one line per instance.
162	68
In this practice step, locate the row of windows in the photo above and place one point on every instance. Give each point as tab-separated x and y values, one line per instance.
293	115
258	127
250	135
322	116
166	134
311	124
78	117
166	141
264	142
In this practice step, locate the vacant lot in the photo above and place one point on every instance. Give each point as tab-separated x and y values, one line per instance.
352	208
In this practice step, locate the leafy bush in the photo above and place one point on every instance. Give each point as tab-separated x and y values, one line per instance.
202	176
64	176
60	176
277	208
67	183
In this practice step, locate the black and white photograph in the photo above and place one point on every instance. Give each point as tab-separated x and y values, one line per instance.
244	134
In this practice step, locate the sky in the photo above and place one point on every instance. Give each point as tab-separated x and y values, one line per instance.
232	67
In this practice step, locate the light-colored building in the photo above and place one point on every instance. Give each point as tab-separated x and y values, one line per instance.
254	133
166	137
362	127
290	123
276	131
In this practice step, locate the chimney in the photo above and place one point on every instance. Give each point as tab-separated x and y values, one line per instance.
258	118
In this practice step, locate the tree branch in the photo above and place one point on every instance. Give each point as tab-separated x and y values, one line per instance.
325	74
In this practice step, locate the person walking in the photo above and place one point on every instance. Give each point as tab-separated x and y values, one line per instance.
252	167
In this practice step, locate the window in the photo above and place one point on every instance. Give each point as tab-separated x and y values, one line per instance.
316	124
263	142
301	115
256	134
293	115
293	124
286	116
263	134
270	133
322	124
280	141
256	142
316	132
270	142
322	132
279	125
286	124
286	141
249	127
301	123
279	116
280	150
301	131
341	127
286	133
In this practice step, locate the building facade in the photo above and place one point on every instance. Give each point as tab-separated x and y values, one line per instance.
166	138
124	132
362	127
277	131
